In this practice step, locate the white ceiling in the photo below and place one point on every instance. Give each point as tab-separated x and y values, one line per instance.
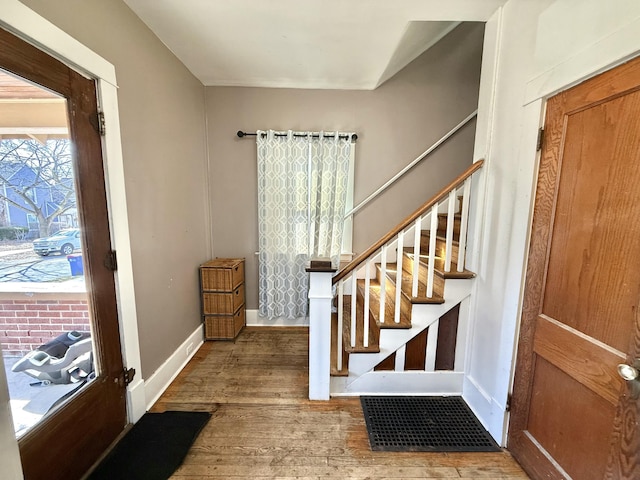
336	44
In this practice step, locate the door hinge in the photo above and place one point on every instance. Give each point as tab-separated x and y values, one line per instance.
111	261
508	405
540	141
127	376
102	129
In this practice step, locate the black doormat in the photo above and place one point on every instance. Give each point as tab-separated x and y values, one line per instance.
424	424
154	447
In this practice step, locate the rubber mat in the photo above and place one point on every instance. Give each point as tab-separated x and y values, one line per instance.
424	424
153	448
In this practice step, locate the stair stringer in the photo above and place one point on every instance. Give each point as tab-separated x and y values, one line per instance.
422	316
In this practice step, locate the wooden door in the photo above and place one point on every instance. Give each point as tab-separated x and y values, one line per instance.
66	443
572	414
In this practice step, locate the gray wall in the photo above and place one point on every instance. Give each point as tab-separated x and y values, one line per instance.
163	140
395	123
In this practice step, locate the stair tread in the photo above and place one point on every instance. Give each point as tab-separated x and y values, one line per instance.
407	286
374	332
439	266
389	305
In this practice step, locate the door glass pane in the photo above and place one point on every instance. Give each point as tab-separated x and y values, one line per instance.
45	321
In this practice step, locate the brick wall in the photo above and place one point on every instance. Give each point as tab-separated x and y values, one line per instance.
27	324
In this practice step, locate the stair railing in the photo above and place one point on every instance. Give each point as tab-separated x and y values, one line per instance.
388	249
391	247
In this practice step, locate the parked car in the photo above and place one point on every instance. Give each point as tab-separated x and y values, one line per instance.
64	242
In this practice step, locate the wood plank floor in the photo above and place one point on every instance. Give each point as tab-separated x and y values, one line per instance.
263	426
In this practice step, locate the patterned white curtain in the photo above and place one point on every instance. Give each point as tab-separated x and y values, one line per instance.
302	189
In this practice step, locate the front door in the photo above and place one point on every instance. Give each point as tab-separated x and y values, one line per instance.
573	416
66	442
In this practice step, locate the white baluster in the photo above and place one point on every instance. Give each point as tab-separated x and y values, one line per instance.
396	316
354	292
383	282
450	222
401	354
433	231
432	346
367	284
416	256
340	322
464	215
463	332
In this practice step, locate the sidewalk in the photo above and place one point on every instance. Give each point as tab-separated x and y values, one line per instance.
44	269
14	252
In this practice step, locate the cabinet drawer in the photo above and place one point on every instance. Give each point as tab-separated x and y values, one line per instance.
222	302
224	278
224	326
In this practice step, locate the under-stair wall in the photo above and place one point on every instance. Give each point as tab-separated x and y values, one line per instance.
414	357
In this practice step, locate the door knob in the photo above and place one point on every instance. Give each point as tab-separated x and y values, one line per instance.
628	372
631	373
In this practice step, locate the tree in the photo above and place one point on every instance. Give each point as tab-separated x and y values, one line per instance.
38	179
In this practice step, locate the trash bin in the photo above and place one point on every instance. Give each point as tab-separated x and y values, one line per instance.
75	262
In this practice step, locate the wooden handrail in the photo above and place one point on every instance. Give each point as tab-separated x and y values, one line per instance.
353	264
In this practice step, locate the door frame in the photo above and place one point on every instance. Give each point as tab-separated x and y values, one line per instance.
623	81
31	27
615	51
489	401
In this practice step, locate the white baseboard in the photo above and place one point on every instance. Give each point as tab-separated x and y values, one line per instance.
491	414
136	401
418	383
157	383
255	320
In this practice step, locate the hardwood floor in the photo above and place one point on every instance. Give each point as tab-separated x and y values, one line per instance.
263	426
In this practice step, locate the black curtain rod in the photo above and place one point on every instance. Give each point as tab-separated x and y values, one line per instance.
241	134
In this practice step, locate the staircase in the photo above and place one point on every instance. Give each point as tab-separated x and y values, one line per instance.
396	322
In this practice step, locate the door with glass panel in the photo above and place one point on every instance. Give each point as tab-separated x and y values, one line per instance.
59	326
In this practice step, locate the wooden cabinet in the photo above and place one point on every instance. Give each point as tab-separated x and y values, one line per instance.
222	297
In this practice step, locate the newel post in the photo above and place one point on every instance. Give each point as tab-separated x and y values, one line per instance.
320	298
